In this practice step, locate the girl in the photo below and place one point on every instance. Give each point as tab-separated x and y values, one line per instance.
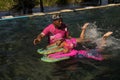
93	53
64	45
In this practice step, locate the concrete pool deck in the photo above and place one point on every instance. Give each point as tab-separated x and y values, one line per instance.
77	9
58	11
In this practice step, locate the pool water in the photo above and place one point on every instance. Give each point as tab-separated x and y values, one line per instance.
20	61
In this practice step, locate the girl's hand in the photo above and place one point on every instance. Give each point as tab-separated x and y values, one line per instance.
36	41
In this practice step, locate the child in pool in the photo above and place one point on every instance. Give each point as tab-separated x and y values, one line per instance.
93	53
65	45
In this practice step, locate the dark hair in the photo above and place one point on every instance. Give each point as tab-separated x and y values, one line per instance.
89	45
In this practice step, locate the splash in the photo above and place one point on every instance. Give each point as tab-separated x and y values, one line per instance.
93	34
114	43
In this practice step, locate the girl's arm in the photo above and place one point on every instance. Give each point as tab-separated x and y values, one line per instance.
51	45
54	44
64	50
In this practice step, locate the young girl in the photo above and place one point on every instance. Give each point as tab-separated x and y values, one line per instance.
64	45
93	53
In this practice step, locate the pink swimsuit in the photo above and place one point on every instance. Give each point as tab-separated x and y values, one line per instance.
70	44
81	53
53	32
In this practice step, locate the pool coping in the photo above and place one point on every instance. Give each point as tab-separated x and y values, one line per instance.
59	11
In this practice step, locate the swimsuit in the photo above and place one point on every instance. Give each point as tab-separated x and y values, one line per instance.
92	54
70	43
52	32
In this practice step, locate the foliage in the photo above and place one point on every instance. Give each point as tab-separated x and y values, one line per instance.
11	3
6	4
49	2
23	5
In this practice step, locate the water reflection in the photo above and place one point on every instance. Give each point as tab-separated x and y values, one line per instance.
75	69
19	60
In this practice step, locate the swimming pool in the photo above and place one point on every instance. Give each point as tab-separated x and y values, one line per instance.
19	60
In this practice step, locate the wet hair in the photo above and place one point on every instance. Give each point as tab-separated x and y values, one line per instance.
89	45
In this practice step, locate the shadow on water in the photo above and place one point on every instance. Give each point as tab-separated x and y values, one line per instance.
20	61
